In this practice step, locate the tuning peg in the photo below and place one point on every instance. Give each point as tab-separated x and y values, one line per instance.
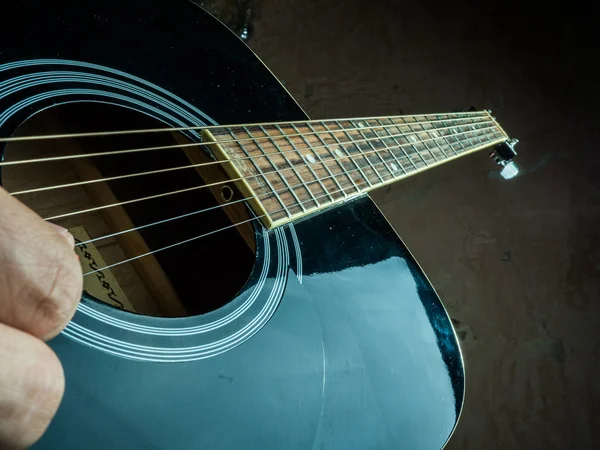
503	155
510	170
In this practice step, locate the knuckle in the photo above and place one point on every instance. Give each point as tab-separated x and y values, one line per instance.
56	304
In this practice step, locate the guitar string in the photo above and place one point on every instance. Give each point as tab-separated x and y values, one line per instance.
262	155
193	188
258	175
282	190
216	127
186	241
226	141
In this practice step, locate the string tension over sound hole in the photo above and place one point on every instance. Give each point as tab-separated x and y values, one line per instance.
164	284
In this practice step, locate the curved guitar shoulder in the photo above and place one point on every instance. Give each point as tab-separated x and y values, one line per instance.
241	289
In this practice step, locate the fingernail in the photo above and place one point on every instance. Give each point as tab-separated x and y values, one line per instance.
63	232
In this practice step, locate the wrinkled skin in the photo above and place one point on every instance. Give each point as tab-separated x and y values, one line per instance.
40	286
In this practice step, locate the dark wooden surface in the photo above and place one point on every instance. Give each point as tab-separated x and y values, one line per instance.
517	263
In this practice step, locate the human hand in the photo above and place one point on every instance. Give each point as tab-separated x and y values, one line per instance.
40	286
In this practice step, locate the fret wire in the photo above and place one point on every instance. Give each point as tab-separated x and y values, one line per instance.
214	128
274	141
453	123
389	150
474	133
496	132
279	172
493	131
445	139
260	172
339	163
383	162
403	135
474	125
435	142
267	214
268	158
471	129
420	139
323	163
353	161
465	134
412	144
343	151
426	145
370	145
400	146
474	129
378	153
354	170
460	141
502	139
373	147
493	135
196	144
294	167
485	136
471	118
308	164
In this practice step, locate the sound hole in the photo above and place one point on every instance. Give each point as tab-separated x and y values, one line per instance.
193	278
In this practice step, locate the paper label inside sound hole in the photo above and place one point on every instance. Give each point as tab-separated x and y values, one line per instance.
101	285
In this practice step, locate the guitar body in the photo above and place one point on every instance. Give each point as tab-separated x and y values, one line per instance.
336	340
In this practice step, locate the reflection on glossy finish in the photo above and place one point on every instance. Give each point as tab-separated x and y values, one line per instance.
360	355
346	344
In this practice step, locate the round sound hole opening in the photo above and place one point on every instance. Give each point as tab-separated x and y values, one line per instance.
143	256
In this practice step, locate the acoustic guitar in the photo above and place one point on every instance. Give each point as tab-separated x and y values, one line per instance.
241	288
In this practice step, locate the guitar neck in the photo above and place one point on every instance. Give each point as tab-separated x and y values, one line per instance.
289	170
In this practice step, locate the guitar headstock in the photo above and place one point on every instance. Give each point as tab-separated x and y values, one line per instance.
503	154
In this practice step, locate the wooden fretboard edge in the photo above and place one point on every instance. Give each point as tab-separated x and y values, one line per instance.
439	163
240	182
314	209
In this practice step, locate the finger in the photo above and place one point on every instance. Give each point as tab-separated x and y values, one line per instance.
31	388
40	277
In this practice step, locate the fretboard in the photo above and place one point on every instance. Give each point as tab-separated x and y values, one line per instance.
288	170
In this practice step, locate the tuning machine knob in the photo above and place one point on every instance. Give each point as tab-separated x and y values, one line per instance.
503	154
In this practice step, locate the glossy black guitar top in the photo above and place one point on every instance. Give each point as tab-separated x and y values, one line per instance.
333	339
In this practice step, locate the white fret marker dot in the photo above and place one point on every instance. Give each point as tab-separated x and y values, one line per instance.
311	159
394	167
339	153
413	138
361	125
